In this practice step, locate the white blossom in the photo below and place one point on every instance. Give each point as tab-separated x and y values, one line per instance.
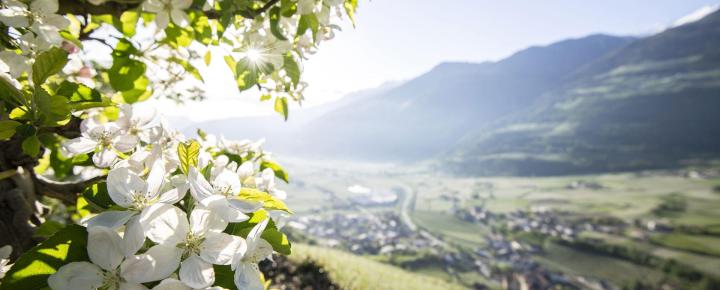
200	242
109	268
166	10
5	252
245	262
221	195
105	139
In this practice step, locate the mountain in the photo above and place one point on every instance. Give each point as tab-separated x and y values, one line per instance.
598	103
654	103
424	116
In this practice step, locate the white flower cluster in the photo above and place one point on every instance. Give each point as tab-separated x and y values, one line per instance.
154	232
5	252
35	29
256	42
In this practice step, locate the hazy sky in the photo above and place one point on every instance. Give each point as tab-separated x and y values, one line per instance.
400	39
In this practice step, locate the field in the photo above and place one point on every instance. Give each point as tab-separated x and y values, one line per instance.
430	200
353	272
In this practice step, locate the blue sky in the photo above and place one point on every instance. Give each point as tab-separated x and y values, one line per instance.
400	39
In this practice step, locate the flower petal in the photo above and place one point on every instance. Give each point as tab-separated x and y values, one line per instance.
247	277
177	193
132	286
44	7
222	207
244	205
180	4
228	180
171	284
79	145
179	17
105	247
203	220
155	179
104	158
196	273
219	248
123	185
76	276
156	264
164	224
5	252
111	219
125	143
161	19
200	188
254	235
134	237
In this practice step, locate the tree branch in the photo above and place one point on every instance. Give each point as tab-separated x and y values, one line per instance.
78	7
65	191
81	8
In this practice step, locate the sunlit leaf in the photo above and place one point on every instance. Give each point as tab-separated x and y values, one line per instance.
33	268
48	63
188	154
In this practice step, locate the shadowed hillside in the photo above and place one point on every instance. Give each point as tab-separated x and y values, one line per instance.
651	104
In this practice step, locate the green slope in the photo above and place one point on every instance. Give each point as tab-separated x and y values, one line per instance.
354	272
652	104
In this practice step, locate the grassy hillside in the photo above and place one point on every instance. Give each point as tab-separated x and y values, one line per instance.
651	104
355	272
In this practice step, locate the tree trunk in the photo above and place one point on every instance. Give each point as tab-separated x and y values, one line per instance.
19	210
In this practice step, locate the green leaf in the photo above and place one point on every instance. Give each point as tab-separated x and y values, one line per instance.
271	234
54	110
188	67
208	57
288	8
31	146
188	154
176	36
201	134
26	130
7	129
279	171
277	240
201	27
268	201
47	229
246	74
265	97
224	277
125	72
275	29
48	63
10	93
33	268
97	194
308	21
75	92
82	208
350	7
128	22
125	24
19	113
292	69
281	106
139	92
231	63
125	48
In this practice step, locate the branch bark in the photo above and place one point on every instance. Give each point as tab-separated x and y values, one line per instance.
78	7
67	192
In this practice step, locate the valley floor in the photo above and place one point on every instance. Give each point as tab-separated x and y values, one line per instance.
608	231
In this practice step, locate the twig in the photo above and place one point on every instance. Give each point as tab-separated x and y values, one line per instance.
116	8
65	191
